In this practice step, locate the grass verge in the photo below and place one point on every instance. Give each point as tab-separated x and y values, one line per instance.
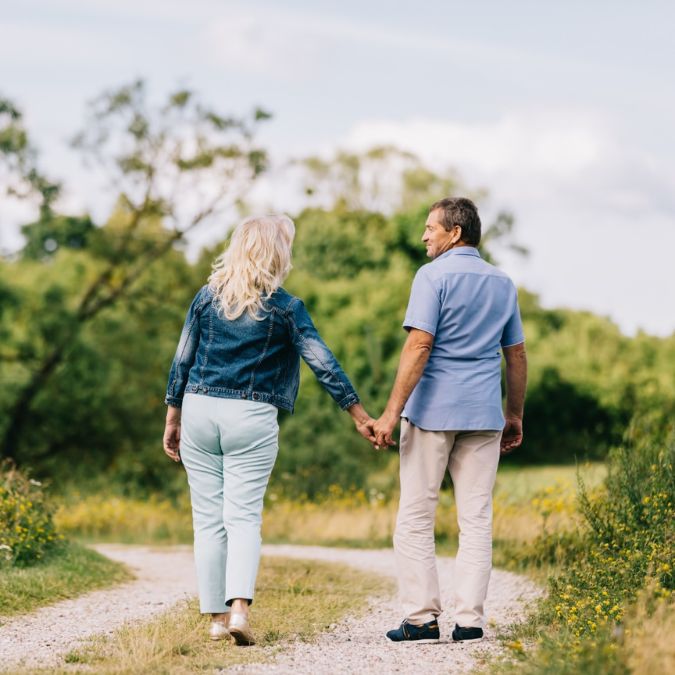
610	609
527	502
294	600
66	572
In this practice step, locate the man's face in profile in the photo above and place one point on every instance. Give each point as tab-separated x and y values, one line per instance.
436	238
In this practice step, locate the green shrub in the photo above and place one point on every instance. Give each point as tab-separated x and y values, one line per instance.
622	559
630	532
27	529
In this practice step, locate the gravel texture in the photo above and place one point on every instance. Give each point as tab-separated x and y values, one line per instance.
164	576
358	645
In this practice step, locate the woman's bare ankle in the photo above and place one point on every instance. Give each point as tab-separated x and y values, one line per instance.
240	606
223	617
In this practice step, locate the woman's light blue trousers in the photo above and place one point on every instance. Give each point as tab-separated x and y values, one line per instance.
228	448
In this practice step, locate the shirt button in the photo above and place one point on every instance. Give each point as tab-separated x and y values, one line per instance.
256	397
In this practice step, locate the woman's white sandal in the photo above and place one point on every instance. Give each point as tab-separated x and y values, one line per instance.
218	631
240	630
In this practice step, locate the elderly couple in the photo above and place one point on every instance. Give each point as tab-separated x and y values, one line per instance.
237	362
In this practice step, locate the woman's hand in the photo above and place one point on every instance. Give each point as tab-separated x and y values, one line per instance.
172	433
363	422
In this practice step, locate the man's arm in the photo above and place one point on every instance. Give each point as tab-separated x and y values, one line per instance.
516	384
414	357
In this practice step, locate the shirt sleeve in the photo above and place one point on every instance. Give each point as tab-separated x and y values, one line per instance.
424	306
513	330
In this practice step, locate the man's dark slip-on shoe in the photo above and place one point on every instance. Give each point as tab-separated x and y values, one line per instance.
408	632
467	634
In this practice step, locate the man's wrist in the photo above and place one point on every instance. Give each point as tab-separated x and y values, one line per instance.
391	413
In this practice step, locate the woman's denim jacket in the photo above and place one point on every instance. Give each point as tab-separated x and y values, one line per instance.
251	359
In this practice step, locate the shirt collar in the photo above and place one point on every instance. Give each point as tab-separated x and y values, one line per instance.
461	250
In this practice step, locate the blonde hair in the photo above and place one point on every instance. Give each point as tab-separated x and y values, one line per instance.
253	266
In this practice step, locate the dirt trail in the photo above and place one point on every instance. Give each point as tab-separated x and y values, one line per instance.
165	576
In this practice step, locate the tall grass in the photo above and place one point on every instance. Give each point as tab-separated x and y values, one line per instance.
528	503
608	610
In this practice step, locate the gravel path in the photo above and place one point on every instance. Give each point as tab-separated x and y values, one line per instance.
358	645
164	576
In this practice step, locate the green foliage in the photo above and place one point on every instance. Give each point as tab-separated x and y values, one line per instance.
73	325
101	412
565	419
20	176
47	235
624	557
586	381
90	313
27	529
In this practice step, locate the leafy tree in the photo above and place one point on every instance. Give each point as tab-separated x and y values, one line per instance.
174	167
19	173
381	179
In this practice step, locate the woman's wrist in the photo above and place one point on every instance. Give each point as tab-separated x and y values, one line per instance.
173	415
358	413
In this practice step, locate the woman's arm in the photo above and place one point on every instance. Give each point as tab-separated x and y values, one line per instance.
178	377
185	353
319	358
325	366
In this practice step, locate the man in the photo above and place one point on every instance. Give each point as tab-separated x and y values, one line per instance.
447	391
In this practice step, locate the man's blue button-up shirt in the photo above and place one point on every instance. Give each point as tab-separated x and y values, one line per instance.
471	309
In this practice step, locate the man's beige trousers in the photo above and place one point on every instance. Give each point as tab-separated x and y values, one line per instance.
472	458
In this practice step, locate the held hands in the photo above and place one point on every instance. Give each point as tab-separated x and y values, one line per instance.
376	432
363	423
384	428
512	435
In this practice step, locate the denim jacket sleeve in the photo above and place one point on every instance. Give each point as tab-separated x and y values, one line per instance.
185	352
318	357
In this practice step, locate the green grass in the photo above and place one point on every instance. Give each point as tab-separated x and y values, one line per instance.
65	573
294	600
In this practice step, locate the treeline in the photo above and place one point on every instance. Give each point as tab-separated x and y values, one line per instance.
90	314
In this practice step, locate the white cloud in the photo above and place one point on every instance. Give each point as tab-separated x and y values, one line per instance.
293	44
553	146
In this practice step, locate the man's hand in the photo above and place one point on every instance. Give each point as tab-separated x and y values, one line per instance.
384	428
512	436
171	439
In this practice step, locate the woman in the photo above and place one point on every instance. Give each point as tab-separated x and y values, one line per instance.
237	362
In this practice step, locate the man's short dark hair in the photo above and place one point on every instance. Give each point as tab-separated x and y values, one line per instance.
463	212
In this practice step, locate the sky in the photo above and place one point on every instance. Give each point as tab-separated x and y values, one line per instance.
562	111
